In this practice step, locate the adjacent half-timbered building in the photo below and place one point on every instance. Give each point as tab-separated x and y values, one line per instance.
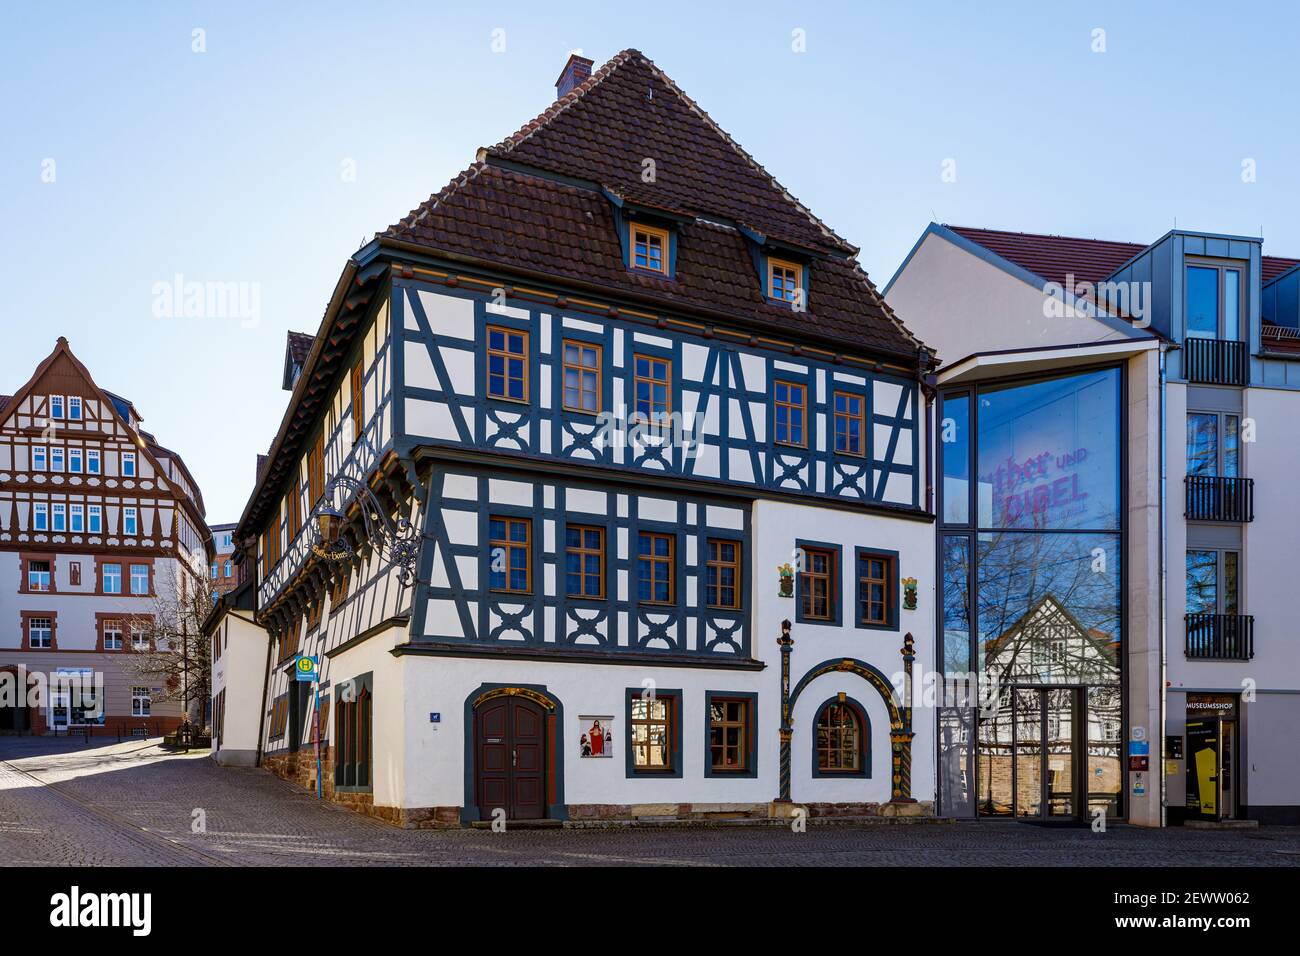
661	445
97	521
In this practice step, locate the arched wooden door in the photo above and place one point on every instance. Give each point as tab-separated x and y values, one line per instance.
510	758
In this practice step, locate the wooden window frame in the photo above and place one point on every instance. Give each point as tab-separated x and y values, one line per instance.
354	738
746	751
565	365
582	551
889	584
358	401
27	617
655	417
837	416
655	232
316	471
526	545
711	563
862	751
790	406
506	356
784	265
655	560
672	722
808	576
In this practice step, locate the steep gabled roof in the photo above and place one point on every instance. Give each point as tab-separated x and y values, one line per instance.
628	112
540	202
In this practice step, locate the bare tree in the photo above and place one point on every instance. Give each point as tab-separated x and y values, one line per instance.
178	655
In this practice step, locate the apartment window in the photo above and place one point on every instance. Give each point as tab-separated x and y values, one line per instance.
140	701
56	406
74	573
653	727
1214	301
790	413
128	464
731	734
877	589
214	570
650	249
1213	444
112	635
507	358
584	562
840	740
352	737
582	377
139	579
358	401
56	459
722	574
39	577
128	521
510	555
95	519
74	461
227	542
226	569
40	633
817	598
40	458
850	424
783	280
655	567
139	639
92	461
74	408
652	388
40	516
78	518
60	512
111	578
1213	581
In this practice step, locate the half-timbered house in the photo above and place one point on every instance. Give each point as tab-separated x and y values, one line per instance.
661	448
97	520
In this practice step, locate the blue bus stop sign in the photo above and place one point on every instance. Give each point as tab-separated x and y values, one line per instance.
306	669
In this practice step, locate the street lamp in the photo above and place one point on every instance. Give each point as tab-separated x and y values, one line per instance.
398	541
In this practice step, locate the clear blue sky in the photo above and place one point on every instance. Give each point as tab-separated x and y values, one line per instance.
225	166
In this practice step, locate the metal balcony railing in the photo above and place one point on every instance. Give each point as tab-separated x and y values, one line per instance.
1220	637
1216	361
1211	498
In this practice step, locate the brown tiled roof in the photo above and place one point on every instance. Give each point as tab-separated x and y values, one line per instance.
1271	267
4	401
299	345
522	215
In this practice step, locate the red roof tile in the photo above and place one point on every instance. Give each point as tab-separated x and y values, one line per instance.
1273	266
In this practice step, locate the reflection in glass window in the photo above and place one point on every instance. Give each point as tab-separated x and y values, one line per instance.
1048	453
956	605
955	435
1037	590
1202	302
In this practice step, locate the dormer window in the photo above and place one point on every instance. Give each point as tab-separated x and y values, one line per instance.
650	249
784	280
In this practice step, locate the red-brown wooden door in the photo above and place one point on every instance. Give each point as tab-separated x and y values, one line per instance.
510	739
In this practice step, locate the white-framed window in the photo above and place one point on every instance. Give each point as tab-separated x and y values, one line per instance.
111	575
40	458
74	408
38	575
95	519
128	464
92	461
139	640
226	571
56	406
40	516
128	521
112	635
227	542
140	701
78	516
60	516
74	461
40	632
56	459
139	579
214	570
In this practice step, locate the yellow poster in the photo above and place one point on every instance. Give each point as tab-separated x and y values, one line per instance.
1206	781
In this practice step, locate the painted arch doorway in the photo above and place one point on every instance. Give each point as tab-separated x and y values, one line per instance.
510	758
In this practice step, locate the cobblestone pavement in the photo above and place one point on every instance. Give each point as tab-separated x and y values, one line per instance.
64	803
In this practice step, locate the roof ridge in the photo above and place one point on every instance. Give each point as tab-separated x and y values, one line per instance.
1045	235
458	181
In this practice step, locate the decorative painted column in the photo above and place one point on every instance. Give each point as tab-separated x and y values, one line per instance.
786	643
900	737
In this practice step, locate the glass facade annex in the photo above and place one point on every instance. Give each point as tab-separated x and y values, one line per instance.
1030	559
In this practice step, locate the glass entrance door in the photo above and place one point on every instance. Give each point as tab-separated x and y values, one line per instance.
1029	766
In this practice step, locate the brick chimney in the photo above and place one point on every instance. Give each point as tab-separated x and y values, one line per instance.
575	71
